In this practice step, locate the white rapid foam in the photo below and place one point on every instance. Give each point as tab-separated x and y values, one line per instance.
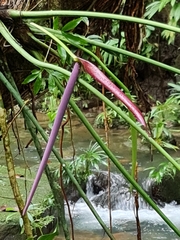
152	225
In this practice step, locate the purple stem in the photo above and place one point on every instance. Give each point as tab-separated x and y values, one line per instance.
57	123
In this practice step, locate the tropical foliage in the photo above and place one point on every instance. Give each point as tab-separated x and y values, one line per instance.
68	48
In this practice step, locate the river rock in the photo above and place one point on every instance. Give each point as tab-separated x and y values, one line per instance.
11	231
120	194
168	190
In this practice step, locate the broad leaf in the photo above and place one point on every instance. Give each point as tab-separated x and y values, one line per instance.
30	78
49	236
74	39
74	23
62	54
37	85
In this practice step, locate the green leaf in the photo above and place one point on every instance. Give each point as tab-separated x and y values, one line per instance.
49	236
169	145
158	178
75	39
95	37
163	4
151	9
176	87
11	209
85	20
37	85
173	171
56	23
74	23
149	168
51	82
30	78
175	12
30	217
96	166
56	74
10	216
173	2
21	222
35	71
62	53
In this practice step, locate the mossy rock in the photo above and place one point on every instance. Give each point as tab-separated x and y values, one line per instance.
168	190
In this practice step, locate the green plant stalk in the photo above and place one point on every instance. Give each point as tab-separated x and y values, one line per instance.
133	55
44	45
120	51
132	123
76	59
10	39
143	133
98	94
133	131
120	84
4	31
14	13
102	79
134	147
49	14
57	40
43	134
108	152
115	161
106	69
134	150
7	36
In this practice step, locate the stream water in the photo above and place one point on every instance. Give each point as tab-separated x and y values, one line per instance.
123	221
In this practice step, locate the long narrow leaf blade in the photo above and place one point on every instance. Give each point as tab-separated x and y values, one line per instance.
108	84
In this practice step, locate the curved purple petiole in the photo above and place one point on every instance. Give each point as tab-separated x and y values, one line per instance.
57	123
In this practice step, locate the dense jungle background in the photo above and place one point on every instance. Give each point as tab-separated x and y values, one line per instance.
116	60
147	82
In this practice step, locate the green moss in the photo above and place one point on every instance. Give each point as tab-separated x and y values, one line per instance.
25	180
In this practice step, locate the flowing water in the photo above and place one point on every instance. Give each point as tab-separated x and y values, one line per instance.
123	217
123	221
124	224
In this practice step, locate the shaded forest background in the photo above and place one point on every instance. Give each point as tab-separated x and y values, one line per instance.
147	82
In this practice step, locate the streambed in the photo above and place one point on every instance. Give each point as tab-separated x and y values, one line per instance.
124	225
